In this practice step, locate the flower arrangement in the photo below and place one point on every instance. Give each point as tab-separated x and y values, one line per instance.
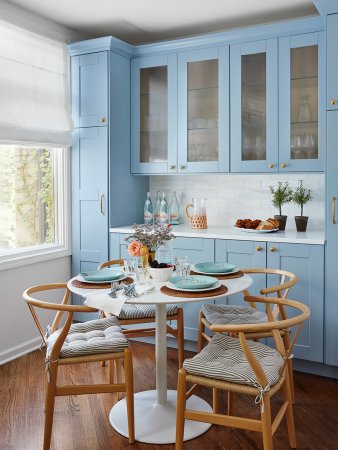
147	238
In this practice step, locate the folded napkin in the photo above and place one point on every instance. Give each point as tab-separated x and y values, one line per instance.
101	300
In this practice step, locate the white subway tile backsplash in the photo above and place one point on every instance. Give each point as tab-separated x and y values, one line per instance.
233	196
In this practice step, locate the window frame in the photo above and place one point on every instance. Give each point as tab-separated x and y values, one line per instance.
62	245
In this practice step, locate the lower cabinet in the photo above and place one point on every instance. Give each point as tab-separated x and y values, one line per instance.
306	261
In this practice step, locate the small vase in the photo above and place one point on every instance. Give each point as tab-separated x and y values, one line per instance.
147	259
301	222
282	221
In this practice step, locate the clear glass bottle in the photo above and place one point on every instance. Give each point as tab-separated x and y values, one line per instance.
148	210
164	213
174	215
157	208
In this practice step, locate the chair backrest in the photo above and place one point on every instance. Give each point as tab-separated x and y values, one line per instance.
273	326
60	308
111	263
286	281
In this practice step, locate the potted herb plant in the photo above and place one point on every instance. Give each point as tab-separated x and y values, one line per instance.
301	196
281	194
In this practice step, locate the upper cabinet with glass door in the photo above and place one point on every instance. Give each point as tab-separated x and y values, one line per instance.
254	110
153	114
203	113
301	102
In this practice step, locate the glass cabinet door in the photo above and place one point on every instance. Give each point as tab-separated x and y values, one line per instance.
253	87
154	93
202	127
299	99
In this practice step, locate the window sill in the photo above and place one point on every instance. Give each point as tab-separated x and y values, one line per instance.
32	255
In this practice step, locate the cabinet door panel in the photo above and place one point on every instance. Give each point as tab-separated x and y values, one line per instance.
203	114
253	106
90	106
307	262
332	62
301	102
246	255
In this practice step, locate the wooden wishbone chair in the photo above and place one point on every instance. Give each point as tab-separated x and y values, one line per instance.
139	314
227	314
71	344
240	365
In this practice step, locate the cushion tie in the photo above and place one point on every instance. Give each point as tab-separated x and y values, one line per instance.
262	392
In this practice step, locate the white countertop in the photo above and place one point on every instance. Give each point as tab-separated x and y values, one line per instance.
288	236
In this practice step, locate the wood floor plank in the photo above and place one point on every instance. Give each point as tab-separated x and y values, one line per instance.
81	422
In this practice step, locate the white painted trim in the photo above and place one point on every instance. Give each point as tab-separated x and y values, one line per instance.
19	350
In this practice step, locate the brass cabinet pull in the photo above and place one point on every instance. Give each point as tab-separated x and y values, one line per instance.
101	204
101	119
283	165
171	167
271	166
259	248
182	167
334	199
273	249
333	101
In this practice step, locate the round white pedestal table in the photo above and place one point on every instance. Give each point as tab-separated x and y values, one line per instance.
155	410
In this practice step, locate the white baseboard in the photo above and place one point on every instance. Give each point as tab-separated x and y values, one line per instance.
19	350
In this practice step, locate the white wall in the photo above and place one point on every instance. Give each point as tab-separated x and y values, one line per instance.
238	196
18	333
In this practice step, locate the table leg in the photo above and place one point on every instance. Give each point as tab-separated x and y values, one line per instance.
161	354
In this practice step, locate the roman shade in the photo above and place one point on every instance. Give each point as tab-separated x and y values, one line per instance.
34	94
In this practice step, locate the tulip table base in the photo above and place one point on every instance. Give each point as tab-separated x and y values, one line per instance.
156	423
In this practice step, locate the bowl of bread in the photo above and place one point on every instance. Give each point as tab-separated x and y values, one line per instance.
257	225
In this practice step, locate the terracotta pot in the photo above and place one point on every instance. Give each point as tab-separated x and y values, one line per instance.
301	222
282	221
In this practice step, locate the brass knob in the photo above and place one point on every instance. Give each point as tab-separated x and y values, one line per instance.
333	101
259	248
171	167
271	166
182	167
101	119
273	249
283	165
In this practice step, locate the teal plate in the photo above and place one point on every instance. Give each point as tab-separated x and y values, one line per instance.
215	267
102	275
193	282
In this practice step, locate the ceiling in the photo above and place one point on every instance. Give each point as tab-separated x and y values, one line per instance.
140	21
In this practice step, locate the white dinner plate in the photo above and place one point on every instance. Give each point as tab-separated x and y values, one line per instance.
175	288
80	278
214	273
249	230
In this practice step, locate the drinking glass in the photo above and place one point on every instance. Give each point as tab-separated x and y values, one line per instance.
184	270
179	260
142	275
130	266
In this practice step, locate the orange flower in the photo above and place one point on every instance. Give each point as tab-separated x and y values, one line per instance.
134	248
144	250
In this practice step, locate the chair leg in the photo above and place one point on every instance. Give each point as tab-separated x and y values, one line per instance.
286	388
118	376
128	373
266	423
215	400
111	371
102	316
230	402
180	408
180	337
287	344
201	329
50	401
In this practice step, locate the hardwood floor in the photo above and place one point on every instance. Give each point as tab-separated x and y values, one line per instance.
81	423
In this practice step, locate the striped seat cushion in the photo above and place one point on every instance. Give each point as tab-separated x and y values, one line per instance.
224	359
225	314
143	311
89	338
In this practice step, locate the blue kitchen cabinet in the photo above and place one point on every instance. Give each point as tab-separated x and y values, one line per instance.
253	106
89	78
154	114
332	62
302	113
246	255
307	262
203	112
331	290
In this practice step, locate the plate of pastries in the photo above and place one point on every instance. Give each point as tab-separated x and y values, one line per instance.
257	225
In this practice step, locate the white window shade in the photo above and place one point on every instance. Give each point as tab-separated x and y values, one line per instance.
34	94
